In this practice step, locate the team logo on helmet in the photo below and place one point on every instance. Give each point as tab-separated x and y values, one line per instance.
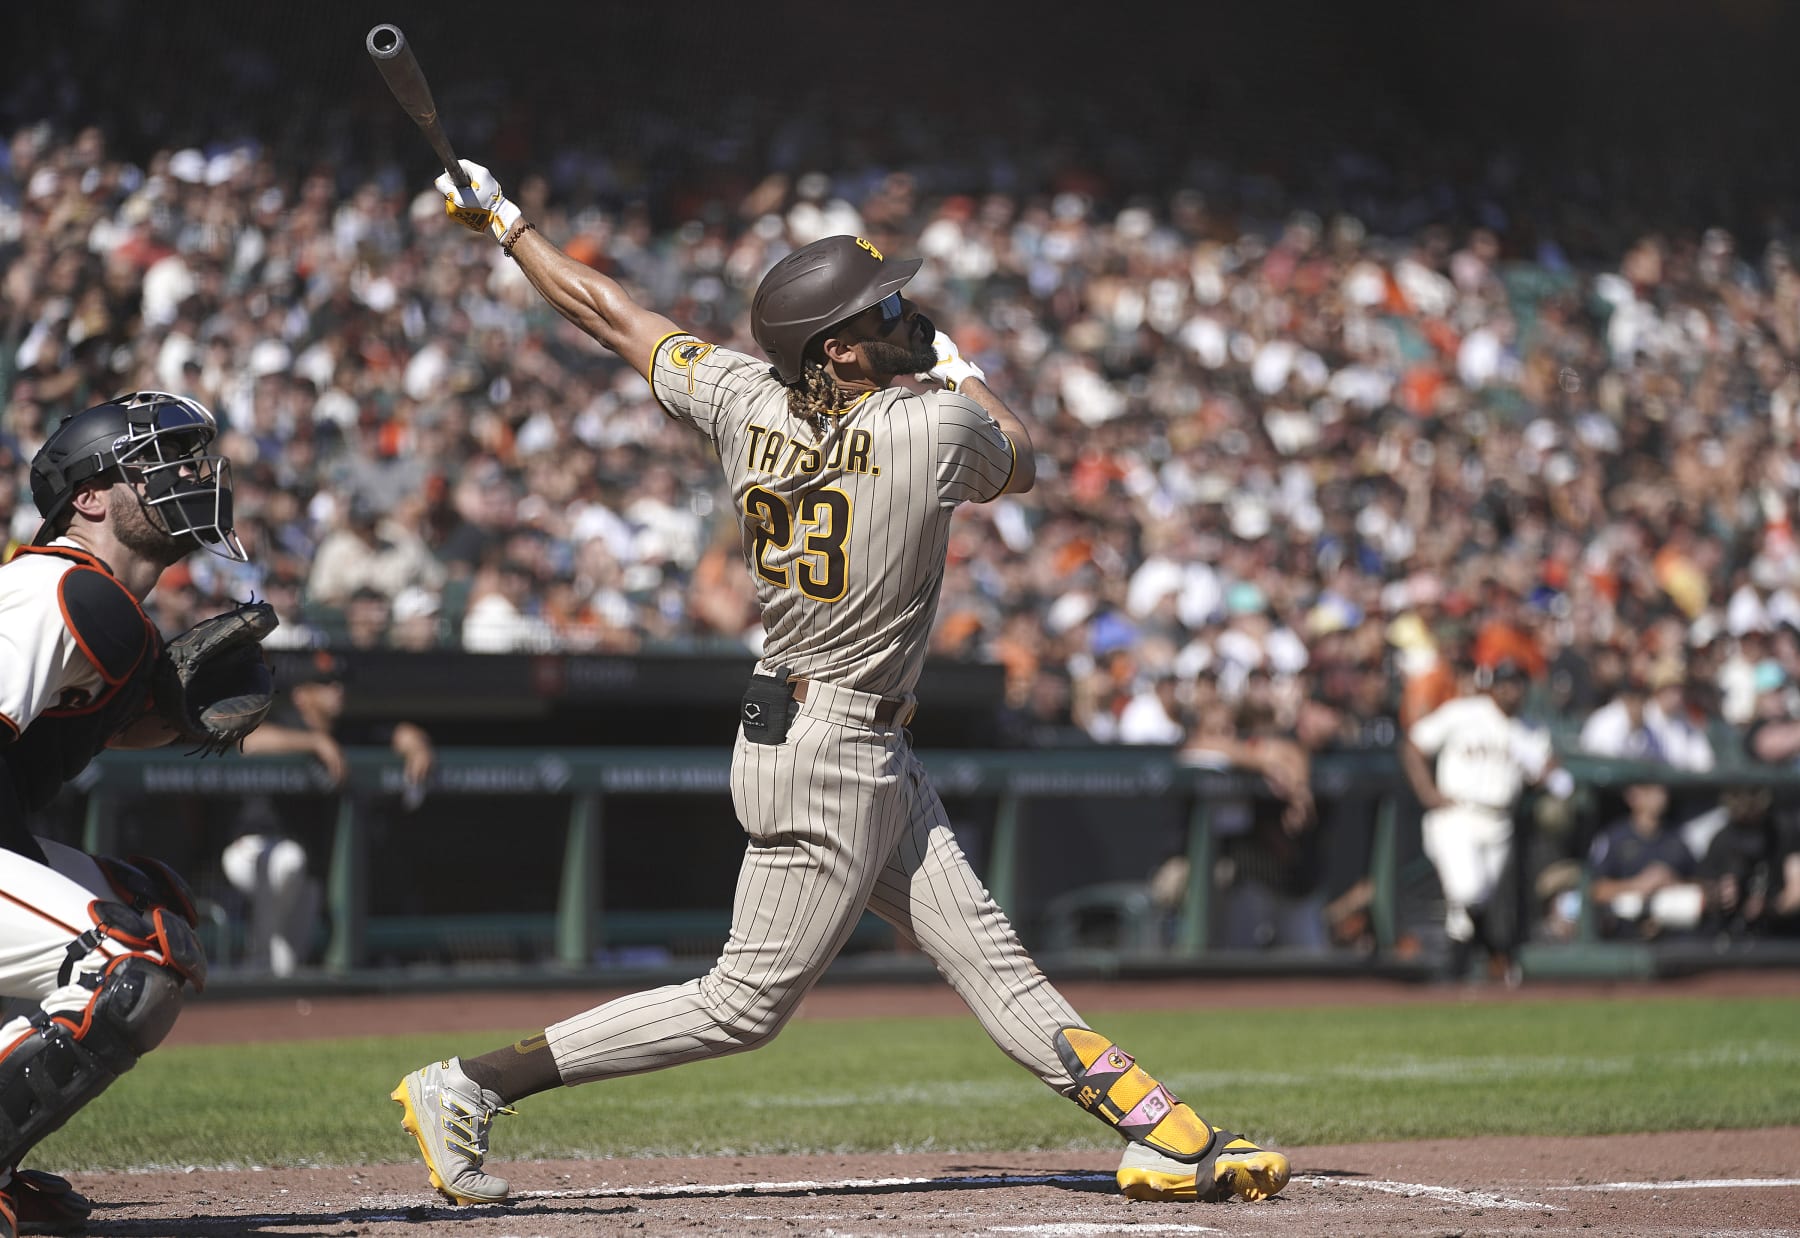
868	245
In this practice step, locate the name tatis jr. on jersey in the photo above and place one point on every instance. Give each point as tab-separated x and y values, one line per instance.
772	452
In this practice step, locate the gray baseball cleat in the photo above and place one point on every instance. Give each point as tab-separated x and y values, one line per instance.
448	1114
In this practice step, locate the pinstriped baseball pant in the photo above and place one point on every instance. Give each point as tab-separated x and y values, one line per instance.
840	817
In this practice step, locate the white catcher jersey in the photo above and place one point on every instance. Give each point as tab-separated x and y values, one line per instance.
844	531
41	664
1484	757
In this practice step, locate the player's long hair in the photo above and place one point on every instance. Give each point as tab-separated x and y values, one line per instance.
817	399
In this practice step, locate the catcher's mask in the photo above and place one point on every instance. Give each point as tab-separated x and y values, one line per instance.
147	438
814	289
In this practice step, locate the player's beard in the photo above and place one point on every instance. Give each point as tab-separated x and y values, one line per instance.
915	356
142	533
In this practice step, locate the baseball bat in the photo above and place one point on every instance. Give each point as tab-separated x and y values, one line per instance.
392	55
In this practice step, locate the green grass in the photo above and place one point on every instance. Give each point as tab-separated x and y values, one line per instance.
1305	1076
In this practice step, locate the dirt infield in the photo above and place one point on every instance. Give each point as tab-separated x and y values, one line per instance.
1647	1186
1722	1183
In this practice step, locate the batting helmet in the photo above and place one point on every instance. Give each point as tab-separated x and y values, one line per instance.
815	288
150	437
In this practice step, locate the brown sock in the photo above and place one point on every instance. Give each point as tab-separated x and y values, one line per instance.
521	1069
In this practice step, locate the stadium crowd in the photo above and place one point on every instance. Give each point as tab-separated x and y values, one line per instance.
1290	460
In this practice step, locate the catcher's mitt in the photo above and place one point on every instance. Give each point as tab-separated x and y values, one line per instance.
212	683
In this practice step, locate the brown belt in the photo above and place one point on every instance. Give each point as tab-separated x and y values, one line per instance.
885	713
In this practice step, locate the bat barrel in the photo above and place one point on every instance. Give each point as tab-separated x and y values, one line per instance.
388	48
386	42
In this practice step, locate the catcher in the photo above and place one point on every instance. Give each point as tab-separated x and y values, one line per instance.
103	946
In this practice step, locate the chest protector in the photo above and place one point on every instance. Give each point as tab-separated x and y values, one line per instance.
121	643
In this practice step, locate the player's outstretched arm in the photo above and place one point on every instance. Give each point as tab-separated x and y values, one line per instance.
590	300
966	378
1025	471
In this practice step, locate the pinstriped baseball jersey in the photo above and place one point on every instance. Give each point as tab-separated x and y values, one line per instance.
845	526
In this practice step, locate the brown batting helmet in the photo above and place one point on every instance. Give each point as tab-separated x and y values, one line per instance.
816	287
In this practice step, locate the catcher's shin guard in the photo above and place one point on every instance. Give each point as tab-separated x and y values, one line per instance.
62	1061
144	882
1176	1154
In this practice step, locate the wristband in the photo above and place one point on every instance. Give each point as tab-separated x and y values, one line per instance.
505	216
519	228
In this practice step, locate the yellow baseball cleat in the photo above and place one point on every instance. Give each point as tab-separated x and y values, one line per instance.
1238	1168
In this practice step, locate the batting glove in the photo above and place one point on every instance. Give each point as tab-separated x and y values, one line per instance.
951	368
481	207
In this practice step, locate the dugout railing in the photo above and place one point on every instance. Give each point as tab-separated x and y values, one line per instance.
587	779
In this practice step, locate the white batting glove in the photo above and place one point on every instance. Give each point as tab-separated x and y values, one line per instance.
951	368
481	207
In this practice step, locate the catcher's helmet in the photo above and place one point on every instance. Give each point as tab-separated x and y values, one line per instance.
816	287
150	437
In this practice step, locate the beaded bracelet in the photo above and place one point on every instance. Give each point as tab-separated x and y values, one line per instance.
519	228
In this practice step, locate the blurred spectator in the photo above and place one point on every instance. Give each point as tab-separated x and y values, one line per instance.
417	619
1037	714
370	551
1752	868
1153	714
1269	844
1641	871
367	617
1426	676
267	864
1648	721
1773	735
499	618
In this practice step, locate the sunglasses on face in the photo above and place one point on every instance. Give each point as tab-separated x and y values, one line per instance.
891	309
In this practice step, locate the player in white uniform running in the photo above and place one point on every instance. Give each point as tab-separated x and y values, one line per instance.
1486	755
100	947
844	485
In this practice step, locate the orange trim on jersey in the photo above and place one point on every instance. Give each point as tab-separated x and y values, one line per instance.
650	374
87	560
11	726
66	552
41	914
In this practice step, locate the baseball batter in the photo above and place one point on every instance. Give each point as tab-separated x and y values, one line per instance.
100	948
844	485
1486	755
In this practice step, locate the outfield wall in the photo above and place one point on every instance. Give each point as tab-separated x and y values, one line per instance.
603	863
